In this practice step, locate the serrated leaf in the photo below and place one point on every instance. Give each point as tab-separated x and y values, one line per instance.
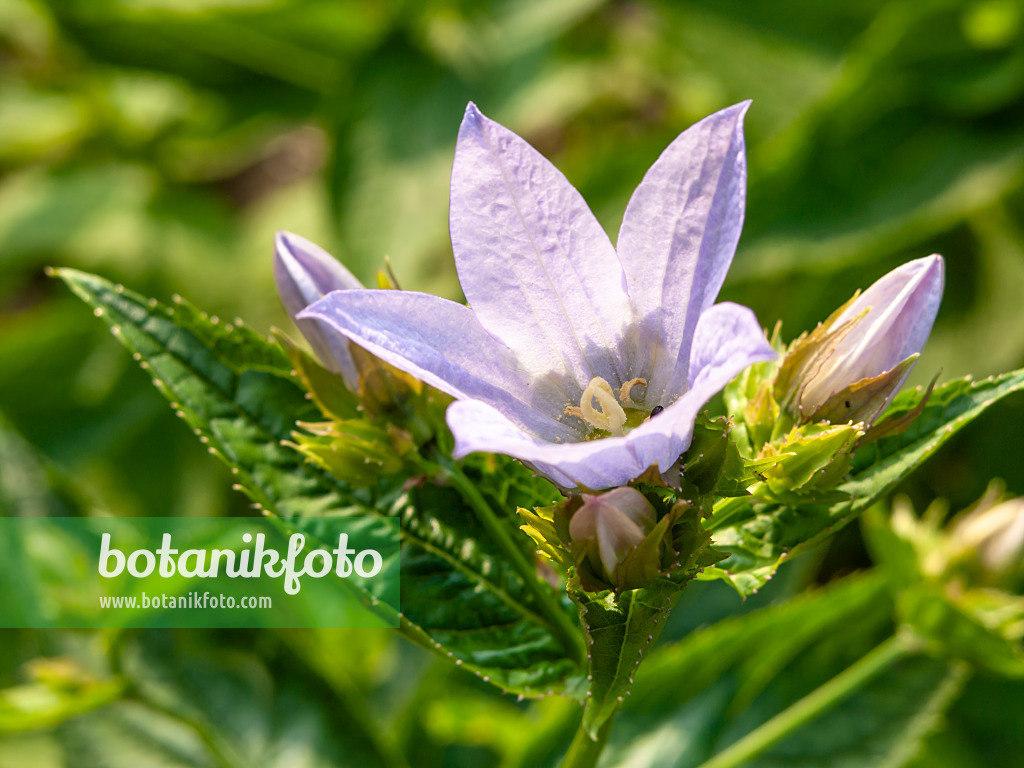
619	631
877	467
236	389
758	537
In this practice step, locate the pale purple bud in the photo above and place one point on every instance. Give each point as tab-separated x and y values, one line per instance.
617	521
880	329
305	273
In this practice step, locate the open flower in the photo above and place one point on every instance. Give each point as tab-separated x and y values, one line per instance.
851	367
586	362
304	273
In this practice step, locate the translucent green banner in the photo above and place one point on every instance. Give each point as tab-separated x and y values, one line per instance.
68	572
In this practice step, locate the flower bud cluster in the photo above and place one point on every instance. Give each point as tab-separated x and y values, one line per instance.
825	397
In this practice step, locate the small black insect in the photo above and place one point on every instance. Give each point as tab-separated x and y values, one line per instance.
848	403
656	410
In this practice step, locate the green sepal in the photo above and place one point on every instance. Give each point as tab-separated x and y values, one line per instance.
864	400
354	451
705	459
807	354
540	526
327	389
811	461
740	473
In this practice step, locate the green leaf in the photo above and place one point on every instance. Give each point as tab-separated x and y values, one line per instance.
694	698
621	625
759	537
207	700
881	725
619	631
879	466
236	389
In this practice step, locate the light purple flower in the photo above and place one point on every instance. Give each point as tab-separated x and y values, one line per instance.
889	324
570	345
305	273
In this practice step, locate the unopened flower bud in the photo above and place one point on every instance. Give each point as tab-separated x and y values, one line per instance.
615	522
995	535
306	273
850	367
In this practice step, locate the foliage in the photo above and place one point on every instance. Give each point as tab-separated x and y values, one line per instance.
161	142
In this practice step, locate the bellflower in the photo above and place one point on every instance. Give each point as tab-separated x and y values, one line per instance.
586	361
852	366
304	272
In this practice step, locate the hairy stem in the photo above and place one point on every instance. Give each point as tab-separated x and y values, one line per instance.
813	704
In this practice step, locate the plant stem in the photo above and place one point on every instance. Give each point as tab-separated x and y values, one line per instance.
584	751
559	621
813	704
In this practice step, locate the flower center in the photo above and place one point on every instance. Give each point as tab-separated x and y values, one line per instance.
600	409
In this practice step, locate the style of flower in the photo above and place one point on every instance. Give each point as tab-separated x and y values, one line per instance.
304	273
587	362
851	366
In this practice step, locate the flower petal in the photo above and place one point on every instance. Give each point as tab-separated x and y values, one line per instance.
903	305
304	273
535	265
592	464
727	339
678	237
443	344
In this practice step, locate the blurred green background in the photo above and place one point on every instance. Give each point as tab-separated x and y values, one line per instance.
162	142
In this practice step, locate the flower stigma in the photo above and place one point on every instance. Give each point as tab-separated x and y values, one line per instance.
609	416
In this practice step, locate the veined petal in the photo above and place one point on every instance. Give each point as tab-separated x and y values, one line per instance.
678	237
535	265
728	336
443	344
903	305
304	273
727	339
592	464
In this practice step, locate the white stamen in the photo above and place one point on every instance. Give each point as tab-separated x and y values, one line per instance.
610	417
